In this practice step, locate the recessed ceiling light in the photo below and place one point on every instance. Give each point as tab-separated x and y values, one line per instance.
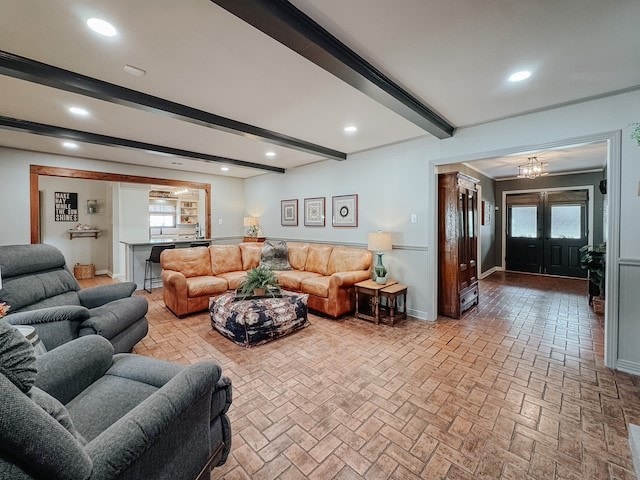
519	76
131	70
102	27
350	129
70	145
270	154
224	169
79	111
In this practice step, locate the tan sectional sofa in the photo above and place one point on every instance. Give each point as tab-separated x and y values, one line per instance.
326	272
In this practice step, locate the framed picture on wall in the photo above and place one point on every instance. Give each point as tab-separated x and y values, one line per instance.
289	213
345	211
314	211
486	213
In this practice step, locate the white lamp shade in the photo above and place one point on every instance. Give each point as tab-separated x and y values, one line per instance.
379	241
251	221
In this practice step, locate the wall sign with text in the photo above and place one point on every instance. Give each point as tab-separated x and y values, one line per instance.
66	205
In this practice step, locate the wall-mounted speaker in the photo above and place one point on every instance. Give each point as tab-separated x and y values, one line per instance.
603	187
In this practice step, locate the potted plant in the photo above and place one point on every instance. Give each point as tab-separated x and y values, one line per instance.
592	258
259	282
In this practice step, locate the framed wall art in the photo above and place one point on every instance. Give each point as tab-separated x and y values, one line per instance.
289	213
345	211
314	211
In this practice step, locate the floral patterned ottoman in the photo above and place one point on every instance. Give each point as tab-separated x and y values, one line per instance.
259	320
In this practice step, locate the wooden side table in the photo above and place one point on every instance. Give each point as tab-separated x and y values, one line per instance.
391	293
372	292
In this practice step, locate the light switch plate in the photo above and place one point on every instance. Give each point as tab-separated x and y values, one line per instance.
414	218
219	221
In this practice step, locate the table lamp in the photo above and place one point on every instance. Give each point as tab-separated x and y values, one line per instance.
380	242
254	226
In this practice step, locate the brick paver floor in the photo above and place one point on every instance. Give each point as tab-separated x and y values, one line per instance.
515	389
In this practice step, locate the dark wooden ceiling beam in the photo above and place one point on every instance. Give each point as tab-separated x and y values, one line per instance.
290	26
51	76
8	123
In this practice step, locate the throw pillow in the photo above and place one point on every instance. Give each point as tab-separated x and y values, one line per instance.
17	359
275	255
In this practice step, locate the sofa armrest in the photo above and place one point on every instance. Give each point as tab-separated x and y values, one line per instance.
175	281
69	369
111	319
68	313
176	417
54	325
98	296
348	279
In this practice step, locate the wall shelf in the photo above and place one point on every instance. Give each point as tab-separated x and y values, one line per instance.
83	233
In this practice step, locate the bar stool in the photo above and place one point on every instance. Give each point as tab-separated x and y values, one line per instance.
200	244
154	257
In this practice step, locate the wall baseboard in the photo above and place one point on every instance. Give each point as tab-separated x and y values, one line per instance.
628	367
419	314
489	272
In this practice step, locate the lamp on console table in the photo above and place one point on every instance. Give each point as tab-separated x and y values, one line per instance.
380	242
253	230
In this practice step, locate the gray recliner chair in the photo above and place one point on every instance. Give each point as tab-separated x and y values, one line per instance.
43	293
80	412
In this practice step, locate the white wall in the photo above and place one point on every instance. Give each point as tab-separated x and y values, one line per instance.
390	183
81	249
227	194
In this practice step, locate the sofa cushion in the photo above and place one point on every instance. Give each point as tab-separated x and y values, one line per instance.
251	252
297	254
225	258
30	290
274	255
16	260
318	258
104	402
54	408
348	259
17	358
234	279
191	262
318	286
291	279
205	285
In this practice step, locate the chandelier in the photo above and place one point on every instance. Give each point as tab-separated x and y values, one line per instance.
534	168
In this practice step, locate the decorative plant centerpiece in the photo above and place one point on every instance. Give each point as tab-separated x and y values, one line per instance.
259	282
592	258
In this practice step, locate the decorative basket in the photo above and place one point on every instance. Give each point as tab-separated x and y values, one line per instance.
81	271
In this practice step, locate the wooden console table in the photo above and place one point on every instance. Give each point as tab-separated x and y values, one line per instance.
254	239
372	292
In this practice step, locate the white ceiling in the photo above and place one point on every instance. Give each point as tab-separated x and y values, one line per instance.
454	56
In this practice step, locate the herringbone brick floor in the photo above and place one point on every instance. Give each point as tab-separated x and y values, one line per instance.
515	389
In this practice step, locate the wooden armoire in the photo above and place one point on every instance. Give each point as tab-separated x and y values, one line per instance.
457	243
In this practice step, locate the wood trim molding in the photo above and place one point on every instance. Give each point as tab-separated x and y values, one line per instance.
34	187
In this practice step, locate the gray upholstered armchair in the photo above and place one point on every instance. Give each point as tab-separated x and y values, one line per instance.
94	415
43	293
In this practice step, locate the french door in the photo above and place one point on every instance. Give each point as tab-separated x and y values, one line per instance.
545	231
